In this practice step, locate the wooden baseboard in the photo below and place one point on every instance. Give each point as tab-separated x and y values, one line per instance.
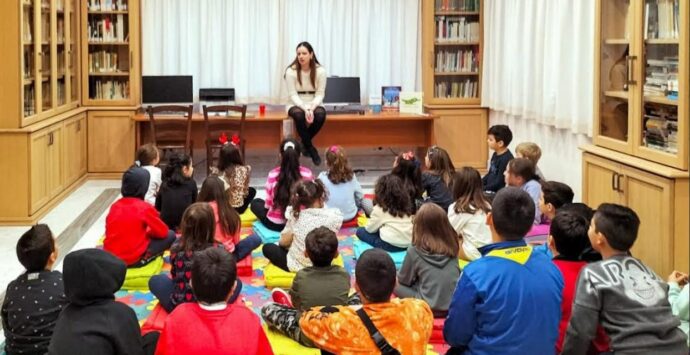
104	176
30	220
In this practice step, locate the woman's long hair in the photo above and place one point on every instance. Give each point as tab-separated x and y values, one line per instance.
228	158
407	169
213	189
289	172
441	165
339	170
312	64
198	227
468	192
391	196
433	233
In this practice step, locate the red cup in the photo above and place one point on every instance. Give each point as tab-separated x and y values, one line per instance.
262	109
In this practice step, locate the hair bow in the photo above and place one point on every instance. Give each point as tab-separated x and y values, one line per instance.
333	149
223	139
235	140
288	145
408	155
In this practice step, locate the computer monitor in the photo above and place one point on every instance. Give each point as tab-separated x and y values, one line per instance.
342	90
167	89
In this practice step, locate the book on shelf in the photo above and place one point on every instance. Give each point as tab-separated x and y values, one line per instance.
457	89
661	77
661	128
103	62
390	98
457	5
27	30
107	5
29	101
457	61
110	28
661	19
109	89
457	29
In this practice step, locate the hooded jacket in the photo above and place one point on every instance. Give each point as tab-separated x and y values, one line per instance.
93	322
431	277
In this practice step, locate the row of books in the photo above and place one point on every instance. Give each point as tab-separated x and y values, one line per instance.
108	89
661	19
107	29
463	89
457	5
28	62
661	77
29	101
457	29
107	5
28	26
457	61
103	62
661	128
47	96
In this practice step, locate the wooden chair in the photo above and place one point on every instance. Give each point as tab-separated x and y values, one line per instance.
220	119
170	133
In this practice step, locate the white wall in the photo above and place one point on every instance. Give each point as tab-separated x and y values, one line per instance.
561	159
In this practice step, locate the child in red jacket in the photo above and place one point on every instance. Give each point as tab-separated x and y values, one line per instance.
134	231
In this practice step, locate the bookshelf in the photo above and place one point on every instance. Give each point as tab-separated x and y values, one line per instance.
641	109
111	52
451	75
642	102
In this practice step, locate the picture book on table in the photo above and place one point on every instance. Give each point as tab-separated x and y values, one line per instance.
411	102
390	98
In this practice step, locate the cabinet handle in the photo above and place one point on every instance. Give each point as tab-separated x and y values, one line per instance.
629	80
618	183
131	62
613	181
50	138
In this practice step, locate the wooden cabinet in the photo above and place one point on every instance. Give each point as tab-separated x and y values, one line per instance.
110	49
45	150
659	196
39	76
74	148
462	132
642	66
111	141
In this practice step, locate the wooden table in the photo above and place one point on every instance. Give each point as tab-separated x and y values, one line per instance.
347	130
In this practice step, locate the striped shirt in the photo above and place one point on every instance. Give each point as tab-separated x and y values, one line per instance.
274	214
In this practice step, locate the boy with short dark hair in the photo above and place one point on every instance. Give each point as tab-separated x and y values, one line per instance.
499	137
567	242
322	284
93	322
554	195
212	326
509	300
33	300
405	324
621	293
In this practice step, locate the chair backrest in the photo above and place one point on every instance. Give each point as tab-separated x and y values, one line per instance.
219	119
173	131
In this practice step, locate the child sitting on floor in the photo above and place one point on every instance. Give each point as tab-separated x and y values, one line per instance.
235	175
305	213
404	324
93	322
33	300
320	285
198	229
531	151
509	300
437	181
344	191
213	325
227	220
408	169
134	232
390	224
178	190
148	158
567	241
554	195
679	297
621	293
498	138
271	212
520	173
468	213
430	270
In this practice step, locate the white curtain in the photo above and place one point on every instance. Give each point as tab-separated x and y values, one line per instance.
247	44
538	61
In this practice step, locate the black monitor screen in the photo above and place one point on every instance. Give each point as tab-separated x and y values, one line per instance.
167	89
342	90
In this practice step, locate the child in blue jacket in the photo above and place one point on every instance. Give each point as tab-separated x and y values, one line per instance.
509	300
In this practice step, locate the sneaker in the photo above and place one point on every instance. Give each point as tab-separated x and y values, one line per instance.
281	297
315	156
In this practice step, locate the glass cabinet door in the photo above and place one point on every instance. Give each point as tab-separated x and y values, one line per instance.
73	51
61	45
45	56
616	84
28	58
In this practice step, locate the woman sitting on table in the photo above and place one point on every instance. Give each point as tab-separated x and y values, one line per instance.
306	85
